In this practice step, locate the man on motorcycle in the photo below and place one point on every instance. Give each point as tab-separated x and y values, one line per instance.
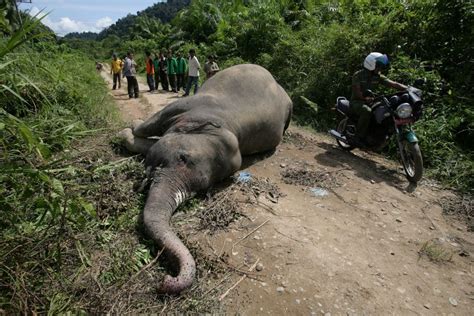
368	78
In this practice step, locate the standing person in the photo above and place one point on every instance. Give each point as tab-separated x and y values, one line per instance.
163	68
172	68
156	64
180	73
211	67
130	71
150	72
193	73
116	71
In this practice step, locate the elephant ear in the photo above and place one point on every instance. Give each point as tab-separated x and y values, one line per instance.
197	127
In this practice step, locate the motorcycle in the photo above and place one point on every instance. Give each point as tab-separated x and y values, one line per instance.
392	115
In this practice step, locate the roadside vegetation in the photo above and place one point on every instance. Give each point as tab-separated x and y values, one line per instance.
51	98
68	207
70	237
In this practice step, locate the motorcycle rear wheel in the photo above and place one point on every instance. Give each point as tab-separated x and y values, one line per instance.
341	128
412	161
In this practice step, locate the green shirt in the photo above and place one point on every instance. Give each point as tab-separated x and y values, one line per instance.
172	65
156	64
182	66
367	81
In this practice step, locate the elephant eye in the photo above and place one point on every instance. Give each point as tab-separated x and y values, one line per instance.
183	158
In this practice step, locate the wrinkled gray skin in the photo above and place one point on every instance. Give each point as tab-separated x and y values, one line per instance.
241	110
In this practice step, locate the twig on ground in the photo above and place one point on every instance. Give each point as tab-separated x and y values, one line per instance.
222	249
218	283
152	262
210	245
253	231
119	293
240	280
267	207
432	223
294	239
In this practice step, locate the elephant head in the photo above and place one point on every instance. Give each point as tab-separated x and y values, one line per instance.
183	164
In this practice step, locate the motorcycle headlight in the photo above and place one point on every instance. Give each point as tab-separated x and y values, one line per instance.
404	110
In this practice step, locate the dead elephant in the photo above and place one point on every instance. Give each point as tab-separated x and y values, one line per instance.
242	110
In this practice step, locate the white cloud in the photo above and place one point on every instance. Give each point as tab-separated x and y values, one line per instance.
67	25
103	22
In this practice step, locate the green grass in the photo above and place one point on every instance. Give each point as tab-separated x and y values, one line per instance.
436	251
70	238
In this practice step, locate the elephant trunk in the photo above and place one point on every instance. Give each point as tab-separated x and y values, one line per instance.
165	195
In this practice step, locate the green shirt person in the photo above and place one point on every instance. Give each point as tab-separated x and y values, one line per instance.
182	65
367	79
172	69
181	71
172	65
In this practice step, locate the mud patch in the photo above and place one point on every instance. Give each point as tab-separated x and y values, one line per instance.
305	176
223	206
460	207
297	139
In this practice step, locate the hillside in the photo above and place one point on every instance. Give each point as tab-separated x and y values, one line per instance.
162	11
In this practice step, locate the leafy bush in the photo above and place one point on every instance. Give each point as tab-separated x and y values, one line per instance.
46	103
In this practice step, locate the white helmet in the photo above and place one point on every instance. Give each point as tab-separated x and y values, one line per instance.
375	59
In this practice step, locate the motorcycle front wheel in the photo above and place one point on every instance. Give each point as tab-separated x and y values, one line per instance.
412	161
341	128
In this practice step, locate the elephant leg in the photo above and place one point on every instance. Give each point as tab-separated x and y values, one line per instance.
135	144
148	128
160	122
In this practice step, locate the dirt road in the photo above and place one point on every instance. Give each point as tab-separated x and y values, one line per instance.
344	234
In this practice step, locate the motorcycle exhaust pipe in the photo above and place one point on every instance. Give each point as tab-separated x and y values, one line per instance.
337	135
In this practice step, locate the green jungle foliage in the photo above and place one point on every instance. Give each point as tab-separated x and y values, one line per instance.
160	11
82	35
50	96
314	47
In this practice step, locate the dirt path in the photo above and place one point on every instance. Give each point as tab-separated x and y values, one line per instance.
354	250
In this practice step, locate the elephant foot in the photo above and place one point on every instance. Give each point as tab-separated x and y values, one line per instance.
126	135
136	123
133	143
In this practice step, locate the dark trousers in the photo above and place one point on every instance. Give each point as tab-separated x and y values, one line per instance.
365	114
117	79
151	81
192	81
180	78
157	80
132	86
172	79
164	80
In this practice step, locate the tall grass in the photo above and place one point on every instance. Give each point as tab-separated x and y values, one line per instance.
68	211
50	97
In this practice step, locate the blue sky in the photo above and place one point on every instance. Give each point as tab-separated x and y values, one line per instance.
84	15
